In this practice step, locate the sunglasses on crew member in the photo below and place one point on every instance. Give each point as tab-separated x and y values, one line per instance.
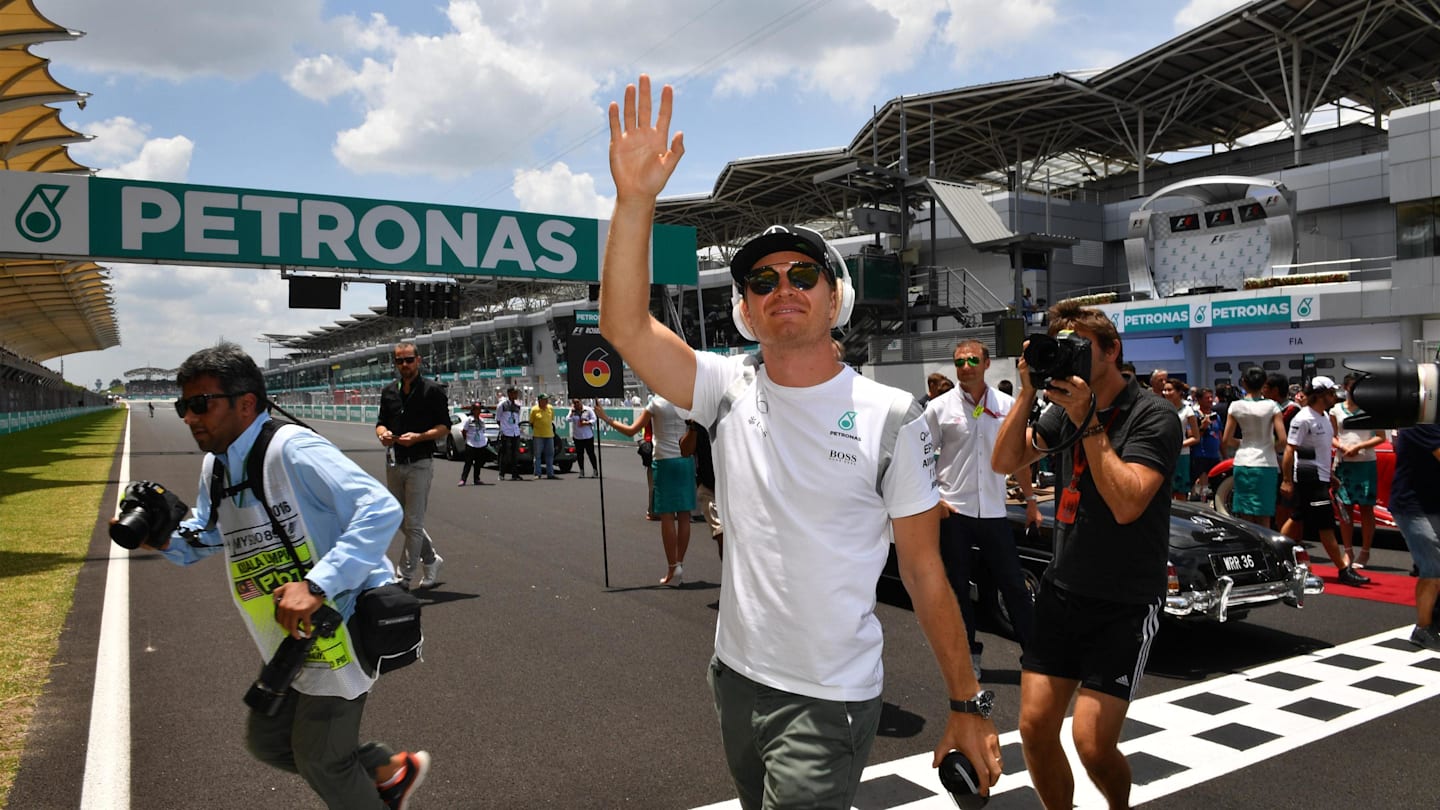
200	403
961	362
405	361
802	275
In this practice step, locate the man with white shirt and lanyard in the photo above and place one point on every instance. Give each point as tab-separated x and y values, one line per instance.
797	674
964	422
507	419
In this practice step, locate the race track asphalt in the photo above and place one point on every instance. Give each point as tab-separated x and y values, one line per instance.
543	687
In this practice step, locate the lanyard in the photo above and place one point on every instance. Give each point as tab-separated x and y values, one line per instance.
980	407
1081	462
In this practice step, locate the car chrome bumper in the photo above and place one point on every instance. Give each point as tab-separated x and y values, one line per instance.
1216	603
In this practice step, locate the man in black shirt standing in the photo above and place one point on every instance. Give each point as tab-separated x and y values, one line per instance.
1099	602
414	413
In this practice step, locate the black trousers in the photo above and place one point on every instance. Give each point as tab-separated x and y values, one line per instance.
583	448
509	455
476	456
961	539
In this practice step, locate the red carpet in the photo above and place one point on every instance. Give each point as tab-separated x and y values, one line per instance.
1397	589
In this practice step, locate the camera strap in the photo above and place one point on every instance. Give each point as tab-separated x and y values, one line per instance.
255	482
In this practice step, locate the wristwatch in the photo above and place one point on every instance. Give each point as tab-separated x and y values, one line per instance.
981	704
1032	498
315	589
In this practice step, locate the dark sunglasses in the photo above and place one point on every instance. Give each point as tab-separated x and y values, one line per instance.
405	361
802	275
200	403
961	362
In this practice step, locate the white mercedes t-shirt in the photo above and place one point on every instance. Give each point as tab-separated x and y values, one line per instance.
1313	430
806	531
965	431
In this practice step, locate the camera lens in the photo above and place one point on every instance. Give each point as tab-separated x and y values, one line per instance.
131	528
1042	353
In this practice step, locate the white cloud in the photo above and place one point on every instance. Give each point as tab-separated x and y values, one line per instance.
980	26
123	148
179	40
1198	12
558	190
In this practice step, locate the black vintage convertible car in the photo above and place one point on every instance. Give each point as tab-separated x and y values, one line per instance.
1221	567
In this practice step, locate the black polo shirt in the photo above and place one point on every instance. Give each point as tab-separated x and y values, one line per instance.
1097	556
416	412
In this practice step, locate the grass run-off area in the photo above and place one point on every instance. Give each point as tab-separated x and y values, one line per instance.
51	481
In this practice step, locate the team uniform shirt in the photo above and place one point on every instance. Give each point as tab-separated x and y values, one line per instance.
1312	429
474	430
338	518
806	526
507	417
1097	556
964	431
542	422
1256	419
1352	436
582	423
1185	413
669	424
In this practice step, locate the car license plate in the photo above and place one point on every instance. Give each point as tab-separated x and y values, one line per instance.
1240	562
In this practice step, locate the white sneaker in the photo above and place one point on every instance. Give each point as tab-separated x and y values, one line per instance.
432	572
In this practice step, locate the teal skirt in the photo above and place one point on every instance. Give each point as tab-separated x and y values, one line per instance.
1255	491
674	485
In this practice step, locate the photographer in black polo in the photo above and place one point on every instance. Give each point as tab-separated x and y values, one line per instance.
1099	600
414	414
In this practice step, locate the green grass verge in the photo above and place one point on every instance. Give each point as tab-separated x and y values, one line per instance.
51	481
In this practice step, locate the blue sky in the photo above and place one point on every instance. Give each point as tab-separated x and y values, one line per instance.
500	105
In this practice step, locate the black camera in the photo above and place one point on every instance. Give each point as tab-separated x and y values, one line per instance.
1394	393
1057	358
267	694
961	781
148	511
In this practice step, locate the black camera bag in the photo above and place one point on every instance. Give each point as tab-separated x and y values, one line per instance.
386	624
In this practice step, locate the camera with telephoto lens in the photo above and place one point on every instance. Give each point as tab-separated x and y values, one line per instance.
961	781
148	512
1057	358
1394	392
267	694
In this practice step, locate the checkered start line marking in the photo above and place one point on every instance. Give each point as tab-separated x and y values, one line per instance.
1191	735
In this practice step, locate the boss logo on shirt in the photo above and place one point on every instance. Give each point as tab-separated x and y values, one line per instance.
843	458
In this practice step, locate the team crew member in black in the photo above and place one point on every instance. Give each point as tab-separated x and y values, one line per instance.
1099	601
414	413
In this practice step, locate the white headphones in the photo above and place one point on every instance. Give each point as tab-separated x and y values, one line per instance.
835	262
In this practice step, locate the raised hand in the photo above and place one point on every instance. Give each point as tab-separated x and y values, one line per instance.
642	155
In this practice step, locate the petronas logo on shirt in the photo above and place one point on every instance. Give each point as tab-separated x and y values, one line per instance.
847	421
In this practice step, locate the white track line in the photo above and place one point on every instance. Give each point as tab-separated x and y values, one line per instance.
107	759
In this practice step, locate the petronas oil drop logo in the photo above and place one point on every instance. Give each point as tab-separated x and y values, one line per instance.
1305	307
847	421
38	220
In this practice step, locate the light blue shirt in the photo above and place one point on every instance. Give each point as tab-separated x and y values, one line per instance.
351	517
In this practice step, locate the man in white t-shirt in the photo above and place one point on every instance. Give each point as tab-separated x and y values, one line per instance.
806	496
507	418
1305	476
965	422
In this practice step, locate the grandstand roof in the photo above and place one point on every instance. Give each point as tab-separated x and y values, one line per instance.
1230	77
47	308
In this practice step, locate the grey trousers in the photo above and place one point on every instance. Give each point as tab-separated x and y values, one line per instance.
790	751
410	484
319	738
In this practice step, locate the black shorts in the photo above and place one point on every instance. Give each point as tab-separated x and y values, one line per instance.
1101	644
1313	507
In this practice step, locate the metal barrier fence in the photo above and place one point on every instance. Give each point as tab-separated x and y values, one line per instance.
24	420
